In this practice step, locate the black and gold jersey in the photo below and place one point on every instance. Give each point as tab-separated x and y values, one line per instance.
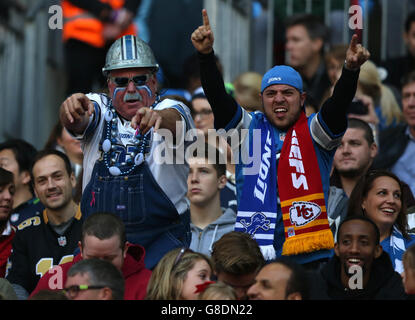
37	247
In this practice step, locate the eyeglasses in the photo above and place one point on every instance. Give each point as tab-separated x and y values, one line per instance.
124	81
202	113
180	255
73	291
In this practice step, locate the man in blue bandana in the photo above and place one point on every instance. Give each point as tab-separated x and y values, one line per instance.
283	100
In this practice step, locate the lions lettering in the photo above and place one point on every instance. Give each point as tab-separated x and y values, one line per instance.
258	220
261	185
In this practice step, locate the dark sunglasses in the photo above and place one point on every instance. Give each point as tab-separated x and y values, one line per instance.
73	291
124	81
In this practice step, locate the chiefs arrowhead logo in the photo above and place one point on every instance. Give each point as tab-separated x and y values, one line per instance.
303	212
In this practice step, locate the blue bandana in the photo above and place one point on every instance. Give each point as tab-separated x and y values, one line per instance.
282	75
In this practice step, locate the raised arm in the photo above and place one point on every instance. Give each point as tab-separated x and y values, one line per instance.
224	107
334	109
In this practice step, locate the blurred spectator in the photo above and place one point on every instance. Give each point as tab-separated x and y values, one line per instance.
61	140
142	20
209	222
237	259
90	26
103	237
94	279
49	295
201	111
217	291
397	144
379	195
171	49
282	279
334	60
398	67
16	156
248	90
50	238
6	290
408	260
386	106
178	274
7	232
306	36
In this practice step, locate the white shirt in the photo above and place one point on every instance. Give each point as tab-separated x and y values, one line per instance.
171	177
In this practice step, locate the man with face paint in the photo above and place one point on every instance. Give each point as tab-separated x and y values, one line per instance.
121	139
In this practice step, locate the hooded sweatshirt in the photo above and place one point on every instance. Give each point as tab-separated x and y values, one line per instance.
384	283
203	240
135	274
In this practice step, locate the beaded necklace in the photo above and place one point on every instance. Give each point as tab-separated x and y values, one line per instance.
140	148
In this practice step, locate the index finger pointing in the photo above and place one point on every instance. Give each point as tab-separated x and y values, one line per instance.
205	18
354	41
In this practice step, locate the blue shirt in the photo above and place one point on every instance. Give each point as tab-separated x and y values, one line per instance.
395	245
325	144
404	168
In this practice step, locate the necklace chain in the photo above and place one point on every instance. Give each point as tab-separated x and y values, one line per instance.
139	150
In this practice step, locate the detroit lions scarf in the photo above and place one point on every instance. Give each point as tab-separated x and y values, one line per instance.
257	211
300	190
397	247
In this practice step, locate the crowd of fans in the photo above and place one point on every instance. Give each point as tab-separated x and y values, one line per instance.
96	207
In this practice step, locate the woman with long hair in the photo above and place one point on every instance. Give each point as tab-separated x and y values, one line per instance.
178	274
380	196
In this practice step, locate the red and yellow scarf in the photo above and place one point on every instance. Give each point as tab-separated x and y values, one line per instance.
301	194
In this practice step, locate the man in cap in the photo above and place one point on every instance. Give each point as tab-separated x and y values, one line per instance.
121	136
282	191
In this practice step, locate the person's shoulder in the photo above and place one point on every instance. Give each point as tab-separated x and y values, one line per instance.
174	104
30	224
100	99
392	134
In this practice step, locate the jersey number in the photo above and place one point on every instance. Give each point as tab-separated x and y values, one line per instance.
45	264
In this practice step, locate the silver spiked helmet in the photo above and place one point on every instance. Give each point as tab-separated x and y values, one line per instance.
129	52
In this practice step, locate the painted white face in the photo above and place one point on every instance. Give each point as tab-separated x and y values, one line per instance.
132	89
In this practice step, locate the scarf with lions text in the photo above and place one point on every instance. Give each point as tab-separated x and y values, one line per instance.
257	209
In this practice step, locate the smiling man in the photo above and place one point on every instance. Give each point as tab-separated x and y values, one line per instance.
282	202
120	141
360	268
50	238
352	159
